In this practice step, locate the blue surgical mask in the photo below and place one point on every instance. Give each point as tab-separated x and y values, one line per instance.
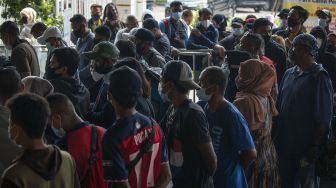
49	47
322	22
202	95
164	96
58	132
237	31
176	15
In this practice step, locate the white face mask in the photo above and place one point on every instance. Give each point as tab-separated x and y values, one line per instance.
205	23
164	96
237	31
58	132
319	42
96	76
202	95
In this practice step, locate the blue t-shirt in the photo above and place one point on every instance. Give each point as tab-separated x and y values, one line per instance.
305	102
230	135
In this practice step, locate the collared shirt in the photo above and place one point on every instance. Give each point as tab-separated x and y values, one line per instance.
84	45
304	104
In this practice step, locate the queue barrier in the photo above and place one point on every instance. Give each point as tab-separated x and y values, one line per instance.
194	54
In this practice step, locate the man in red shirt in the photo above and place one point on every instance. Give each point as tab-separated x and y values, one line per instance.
81	139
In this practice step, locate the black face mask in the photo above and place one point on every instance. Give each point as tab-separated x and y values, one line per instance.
266	38
95	42
77	33
51	73
110	16
24	20
292	22
139	48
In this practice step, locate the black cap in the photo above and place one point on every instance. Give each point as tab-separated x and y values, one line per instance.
126	80
283	12
219	18
144	35
180	73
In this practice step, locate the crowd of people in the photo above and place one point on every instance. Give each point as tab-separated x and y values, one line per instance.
115	110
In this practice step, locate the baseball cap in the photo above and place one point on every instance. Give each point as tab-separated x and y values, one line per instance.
48	33
283	12
307	40
237	21
103	49
180	73
144	35
323	12
126	80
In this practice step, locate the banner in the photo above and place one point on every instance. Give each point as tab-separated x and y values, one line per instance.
312	6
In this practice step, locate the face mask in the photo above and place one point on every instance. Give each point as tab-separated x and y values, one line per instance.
24	20
237	31
58	132
51	73
322	22
205	23
95	17
50	48
96	76
164	96
319	42
139	49
176	15
266	38
202	95
282	23
77	33
292	22
110	16
95	42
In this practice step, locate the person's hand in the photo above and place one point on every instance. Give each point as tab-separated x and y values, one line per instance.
174	52
196	32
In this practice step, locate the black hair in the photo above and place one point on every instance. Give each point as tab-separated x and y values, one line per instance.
58	102
125	86
10	83
30	112
104	31
175	3
9	27
78	18
106	9
204	11
39	26
67	57
135	65
250	16
187	13
150	24
126	48
260	22
216	75
303	13
131	18
256	40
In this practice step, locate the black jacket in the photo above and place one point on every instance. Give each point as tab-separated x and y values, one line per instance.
76	91
278	55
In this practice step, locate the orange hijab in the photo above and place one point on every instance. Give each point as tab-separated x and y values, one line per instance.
254	81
